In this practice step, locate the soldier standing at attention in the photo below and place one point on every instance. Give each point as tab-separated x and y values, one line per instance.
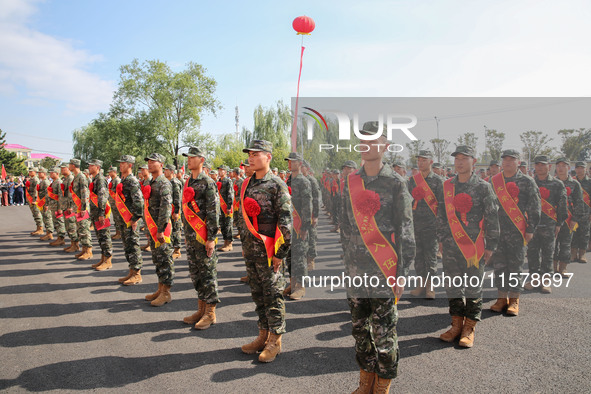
426	189
145	178
66	206
53	192
79	193
100	210
157	212
129	203
468	229
115	180
335	200
313	233
239	220
266	213
519	214
31	193
581	236
200	219
226	192
554	213
376	210
177	187
43	204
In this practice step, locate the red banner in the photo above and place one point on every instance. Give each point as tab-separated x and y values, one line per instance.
430	198
94	200
122	208
76	199
193	219
549	210
508	204
153	229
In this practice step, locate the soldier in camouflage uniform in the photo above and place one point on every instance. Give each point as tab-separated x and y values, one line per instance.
201	196
581	236
400	168
577	214
301	202
373	309
144	178
226	192
98	214
238	215
80	188
43	200
335	200
313	233
542	244
510	254
66	206
31	191
465	302
177	187
54	207
118	221
424	219
266	279
159	202
131	194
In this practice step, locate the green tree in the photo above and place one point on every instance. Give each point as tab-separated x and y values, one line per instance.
48	163
413	148
576	144
440	150
468	139
12	163
535	143
494	144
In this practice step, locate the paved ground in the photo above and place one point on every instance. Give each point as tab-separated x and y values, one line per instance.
66	327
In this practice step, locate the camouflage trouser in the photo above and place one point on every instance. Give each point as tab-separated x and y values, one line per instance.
131	246
175	236
203	271
581	236
312	239
162	259
335	208
541	246
563	241
455	265
296	261
83	230
509	258
427	248
47	219
104	239
226	226
374	329
71	228
58	224
266	287
117	219
36	215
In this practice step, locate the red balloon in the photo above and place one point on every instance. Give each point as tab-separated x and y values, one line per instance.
304	24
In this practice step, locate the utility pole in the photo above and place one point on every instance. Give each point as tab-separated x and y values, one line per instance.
438	150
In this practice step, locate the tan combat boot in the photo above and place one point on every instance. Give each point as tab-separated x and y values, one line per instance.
152	297
47	237
562	269
311	264
107	264
81	252
58	242
103	257
457	323
574	255
467	338
121	280
208	318
366	382
272	348
555	265
429	292
287	290
419	291
244	279
298	292
227	247
163	298
195	317
74	247
513	308
117	235
147	247
258	344
381	385
87	253
39	231
501	304
177	253
582	258
134	279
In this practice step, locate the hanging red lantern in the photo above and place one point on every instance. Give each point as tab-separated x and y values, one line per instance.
304	25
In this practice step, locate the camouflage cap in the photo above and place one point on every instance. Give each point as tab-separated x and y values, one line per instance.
581	164
372	128
306	164
437	165
143	167
350	164
399	164
75	162
170	167
236	170
33	169
223	167
274	169
427	154
562	160
194	151
523	164
494	163
55	169
87	172
246	164
293	156
207	165
127	159
464	150
42	169
336	172
156	157
259	146
282	172
113	169
541	159
511	153
64	164
95	162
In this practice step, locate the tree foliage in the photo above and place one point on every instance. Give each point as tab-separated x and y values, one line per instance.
494	144
576	144
441	151
535	143
12	163
413	148
469	139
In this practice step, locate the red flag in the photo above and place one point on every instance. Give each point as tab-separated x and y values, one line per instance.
3	173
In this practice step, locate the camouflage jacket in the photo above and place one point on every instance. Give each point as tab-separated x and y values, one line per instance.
586	186
271	193
557	199
160	202
100	189
133	198
113	188
56	188
227	191
423	216
528	202
65	200
315	195
206	197
301	199
575	202
43	185
32	189
394	219
238	185
484	209
177	195
80	187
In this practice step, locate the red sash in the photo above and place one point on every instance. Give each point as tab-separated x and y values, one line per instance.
153	229
586	198
224	206
75	197
194	220
569	221
508	204
272	245
549	210
342	186
430	198
30	198
376	243
122	208
297	220
94	200
472	251
51	194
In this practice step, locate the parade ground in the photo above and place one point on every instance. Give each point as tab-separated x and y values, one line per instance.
66	327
